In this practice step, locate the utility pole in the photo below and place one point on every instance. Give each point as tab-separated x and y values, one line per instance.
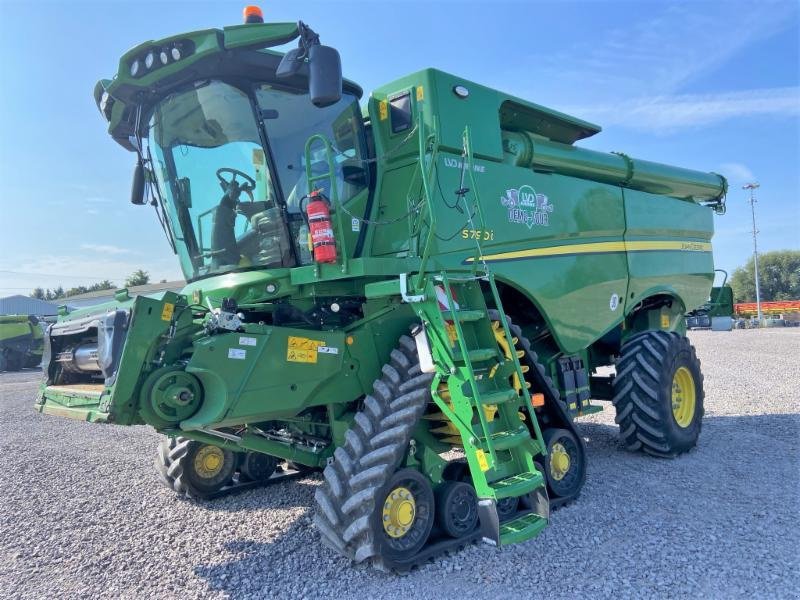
752	187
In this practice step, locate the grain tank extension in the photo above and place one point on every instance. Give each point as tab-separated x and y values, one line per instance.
375	283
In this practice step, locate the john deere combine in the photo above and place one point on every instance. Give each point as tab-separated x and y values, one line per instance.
20	342
413	294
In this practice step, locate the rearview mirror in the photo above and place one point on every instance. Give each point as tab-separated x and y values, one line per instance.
137	187
324	76
290	63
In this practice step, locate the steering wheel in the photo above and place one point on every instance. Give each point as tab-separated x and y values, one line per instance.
247	187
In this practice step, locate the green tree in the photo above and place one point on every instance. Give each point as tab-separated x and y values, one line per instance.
38	293
138	277
55	294
778	277
103	285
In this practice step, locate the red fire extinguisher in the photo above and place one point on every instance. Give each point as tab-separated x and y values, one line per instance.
319	225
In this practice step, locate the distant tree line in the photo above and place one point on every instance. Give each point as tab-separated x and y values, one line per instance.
778	277
138	277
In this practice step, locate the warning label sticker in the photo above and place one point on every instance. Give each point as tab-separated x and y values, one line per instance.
303	350
166	312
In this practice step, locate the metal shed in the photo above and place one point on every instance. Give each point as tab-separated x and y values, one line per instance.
25	305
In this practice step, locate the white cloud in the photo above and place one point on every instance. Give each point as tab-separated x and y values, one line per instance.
97	200
661	54
105	249
737	172
662	114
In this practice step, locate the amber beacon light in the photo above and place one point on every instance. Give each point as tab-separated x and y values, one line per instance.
253	14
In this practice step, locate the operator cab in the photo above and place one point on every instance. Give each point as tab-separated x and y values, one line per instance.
229	160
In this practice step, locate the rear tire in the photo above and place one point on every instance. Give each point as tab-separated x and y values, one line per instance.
14	361
192	469
658	394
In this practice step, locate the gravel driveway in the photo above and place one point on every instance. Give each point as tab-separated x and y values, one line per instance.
81	512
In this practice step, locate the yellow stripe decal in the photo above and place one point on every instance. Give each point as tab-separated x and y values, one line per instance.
600	248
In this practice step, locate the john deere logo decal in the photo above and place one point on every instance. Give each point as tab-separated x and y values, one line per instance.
527	207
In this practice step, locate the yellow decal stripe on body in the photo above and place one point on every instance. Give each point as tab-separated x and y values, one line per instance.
600	248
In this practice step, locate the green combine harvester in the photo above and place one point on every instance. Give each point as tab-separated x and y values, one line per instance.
412	294
21	342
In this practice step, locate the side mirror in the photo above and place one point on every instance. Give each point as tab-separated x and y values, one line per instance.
290	63
137	187
324	76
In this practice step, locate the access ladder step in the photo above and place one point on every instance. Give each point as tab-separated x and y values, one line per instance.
517	485
463	316
521	529
478	355
499	397
503	440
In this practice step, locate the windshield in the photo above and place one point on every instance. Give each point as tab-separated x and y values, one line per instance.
228	207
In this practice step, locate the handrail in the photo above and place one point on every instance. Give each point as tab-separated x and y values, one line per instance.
426	172
469	166
334	188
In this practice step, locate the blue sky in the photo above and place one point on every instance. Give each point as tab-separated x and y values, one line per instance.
706	85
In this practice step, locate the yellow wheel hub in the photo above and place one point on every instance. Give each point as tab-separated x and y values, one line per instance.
559	461
684	397
399	512
208	461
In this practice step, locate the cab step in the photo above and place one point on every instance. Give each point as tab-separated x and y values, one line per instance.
521	528
463	316
500	397
517	485
503	440
477	355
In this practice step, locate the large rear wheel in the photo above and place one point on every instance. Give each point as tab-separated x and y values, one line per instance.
658	394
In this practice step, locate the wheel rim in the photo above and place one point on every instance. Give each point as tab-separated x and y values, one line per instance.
208	462
684	397
399	512
564	464
410	513
462	508
559	461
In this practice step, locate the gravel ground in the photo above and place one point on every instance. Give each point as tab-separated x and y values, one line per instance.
81	512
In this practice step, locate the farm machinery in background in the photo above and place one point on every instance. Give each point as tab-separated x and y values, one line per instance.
717	313
412	294
21	342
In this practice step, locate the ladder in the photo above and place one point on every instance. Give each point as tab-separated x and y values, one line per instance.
479	386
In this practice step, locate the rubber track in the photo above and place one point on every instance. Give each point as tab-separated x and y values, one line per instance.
636	388
544	383
374	447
